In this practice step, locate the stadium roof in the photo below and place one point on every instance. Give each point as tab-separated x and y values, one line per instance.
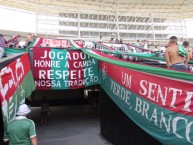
175	9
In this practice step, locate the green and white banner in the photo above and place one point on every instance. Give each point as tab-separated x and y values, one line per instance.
63	69
16	84
135	66
163	107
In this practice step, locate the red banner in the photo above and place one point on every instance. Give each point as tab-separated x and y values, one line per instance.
63	69
55	43
12	76
174	95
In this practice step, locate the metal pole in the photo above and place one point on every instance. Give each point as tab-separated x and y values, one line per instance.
36	23
181	31
117	16
79	37
185	29
152	24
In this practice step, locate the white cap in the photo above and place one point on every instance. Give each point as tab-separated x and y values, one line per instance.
23	110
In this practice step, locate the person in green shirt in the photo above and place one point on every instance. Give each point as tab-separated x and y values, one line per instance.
21	131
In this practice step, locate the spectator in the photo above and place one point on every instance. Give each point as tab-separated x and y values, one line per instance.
137	43
132	58
121	41
117	41
173	58
142	43
111	41
17	46
188	50
44	112
29	39
2	45
101	39
34	37
145	44
21	130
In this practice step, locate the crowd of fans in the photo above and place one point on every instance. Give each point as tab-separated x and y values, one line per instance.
143	44
14	42
112	41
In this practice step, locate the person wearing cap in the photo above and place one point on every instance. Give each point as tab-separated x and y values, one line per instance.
21	131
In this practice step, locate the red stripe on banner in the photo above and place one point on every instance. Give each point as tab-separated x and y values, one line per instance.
39	42
12	39
41	68
79	43
145	50
76	72
106	46
12	76
174	95
108	56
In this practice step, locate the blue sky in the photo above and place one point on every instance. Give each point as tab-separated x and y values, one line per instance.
15	20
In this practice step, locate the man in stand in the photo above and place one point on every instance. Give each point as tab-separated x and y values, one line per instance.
173	59
2	45
188	50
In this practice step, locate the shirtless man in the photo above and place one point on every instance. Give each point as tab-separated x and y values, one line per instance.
173	59
188	50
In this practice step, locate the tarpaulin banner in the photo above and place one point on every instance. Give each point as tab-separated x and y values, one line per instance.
138	49
14	40
159	105
63	69
55	43
36	43
16	84
121	47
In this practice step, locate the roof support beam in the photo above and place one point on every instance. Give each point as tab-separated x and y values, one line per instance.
152	23
117	19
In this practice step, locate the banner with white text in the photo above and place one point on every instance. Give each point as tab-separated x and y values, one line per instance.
16	84
163	110
63	69
55	43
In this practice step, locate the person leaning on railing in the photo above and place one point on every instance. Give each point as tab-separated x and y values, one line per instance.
2	45
175	55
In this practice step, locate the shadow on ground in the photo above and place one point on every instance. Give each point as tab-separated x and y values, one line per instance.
69	125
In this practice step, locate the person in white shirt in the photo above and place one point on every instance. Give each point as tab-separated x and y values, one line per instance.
145	45
101	39
137	43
